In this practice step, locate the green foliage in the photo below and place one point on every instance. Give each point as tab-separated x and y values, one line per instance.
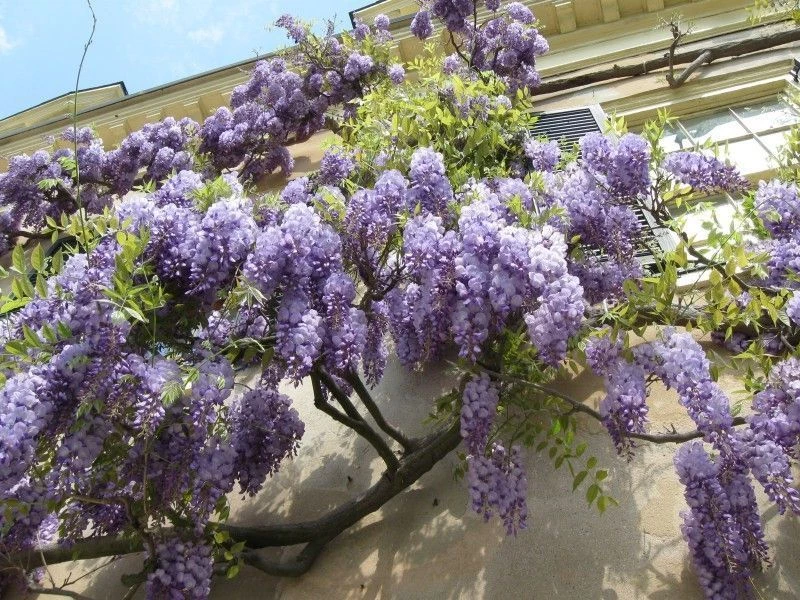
478	137
209	193
762	9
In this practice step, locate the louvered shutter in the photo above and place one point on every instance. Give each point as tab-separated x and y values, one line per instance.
567	127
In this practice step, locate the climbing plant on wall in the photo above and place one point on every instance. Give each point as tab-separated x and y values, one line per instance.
436	227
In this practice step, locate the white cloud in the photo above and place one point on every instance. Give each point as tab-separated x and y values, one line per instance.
5	43
207	35
154	11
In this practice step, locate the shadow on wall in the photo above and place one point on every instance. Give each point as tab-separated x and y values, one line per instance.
427	544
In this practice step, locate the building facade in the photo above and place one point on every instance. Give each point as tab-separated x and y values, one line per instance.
426	543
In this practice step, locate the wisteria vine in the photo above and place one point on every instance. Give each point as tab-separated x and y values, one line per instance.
125	415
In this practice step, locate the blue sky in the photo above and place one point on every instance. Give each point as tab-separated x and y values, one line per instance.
144	43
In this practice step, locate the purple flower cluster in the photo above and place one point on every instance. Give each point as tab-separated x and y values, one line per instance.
602	352
396	73
507	44
183	570
681	363
335	166
26	412
478	410
603	224
620	167
430	188
198	253
278	104
422	25
704	173
295	28
498	486
778	207
266	430
303	258
543	156
722	525
773	435
624	408
375	349
159	148
466	283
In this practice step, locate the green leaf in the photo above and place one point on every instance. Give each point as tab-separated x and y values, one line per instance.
579	477
591	493
233	571
63	330
600	475
37	258
134	312
17	348
18	259
31	337
221	537
18	288
591	463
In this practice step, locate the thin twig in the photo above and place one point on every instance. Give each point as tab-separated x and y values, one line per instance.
366	398
58	592
75	126
132	591
655	438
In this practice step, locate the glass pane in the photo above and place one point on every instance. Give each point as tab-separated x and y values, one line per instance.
766	115
721	215
717	127
749	156
774	141
675	139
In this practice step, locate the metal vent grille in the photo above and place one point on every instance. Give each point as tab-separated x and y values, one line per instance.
568	126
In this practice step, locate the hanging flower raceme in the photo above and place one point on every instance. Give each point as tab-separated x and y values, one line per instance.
507	44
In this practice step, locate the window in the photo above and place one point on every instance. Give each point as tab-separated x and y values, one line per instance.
749	135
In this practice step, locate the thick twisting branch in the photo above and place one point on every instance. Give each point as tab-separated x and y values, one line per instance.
723	50
430	450
295	567
675	82
366	398
355	423
677	35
